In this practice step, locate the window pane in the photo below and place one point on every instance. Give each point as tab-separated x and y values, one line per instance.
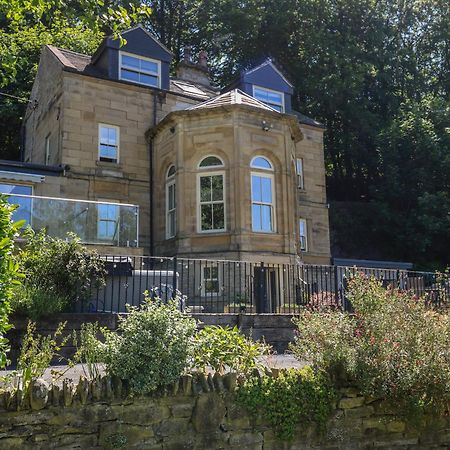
261	163
102	231
274	97
217	187
149	66
171	221
107	151
206	217
266	218
130	61
266	188
104	135
276	107
218	216
15	189
129	75
212	286
112	136
256	217
214	272
256	188
150	80
210	161
205	189
260	94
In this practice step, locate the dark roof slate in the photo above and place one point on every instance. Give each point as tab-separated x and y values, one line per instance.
307	120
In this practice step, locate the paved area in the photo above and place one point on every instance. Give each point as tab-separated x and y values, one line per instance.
59	373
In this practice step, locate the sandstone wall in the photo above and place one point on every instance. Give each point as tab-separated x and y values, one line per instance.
197	412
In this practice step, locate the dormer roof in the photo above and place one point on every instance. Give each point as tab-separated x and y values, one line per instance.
268	62
233	97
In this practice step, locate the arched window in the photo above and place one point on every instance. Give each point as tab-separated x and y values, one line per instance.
210	161
260	162
171	203
263	195
211	195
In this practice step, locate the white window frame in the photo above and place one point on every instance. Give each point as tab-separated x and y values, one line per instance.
210	173
283	109
203	280
170	181
210	167
299	173
302	248
145	72
272	205
100	125
116	221
47	148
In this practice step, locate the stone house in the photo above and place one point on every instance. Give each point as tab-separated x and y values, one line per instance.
129	156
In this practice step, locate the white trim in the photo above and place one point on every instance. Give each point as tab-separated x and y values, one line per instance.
21	177
300	176
145	72
210	167
300	221
261	168
283	109
47	149
274	67
100	125
199	216
171	182
272	205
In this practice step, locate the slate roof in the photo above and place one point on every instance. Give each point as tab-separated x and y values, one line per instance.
233	97
78	62
307	120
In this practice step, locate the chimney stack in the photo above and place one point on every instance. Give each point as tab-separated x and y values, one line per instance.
187	70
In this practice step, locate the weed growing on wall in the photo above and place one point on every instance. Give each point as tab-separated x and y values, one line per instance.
294	396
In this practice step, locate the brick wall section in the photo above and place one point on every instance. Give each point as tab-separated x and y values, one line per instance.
196	412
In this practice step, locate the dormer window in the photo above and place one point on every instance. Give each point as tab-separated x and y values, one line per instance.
274	99
138	69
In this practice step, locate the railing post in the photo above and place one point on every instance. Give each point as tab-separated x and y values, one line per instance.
174	278
336	286
262	295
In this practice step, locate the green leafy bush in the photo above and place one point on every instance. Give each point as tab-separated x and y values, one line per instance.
393	347
9	272
151	347
220	347
294	396
35	302
57	272
89	352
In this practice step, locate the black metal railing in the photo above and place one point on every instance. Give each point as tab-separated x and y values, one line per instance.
221	286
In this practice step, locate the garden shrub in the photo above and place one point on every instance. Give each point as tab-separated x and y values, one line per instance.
60	272
9	271
151	347
393	347
220	347
294	396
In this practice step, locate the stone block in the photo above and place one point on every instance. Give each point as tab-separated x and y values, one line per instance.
141	413
182	410
112	435
209	413
246	439
351	402
172	426
396	426
357	413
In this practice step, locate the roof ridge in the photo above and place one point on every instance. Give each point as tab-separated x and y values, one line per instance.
70	51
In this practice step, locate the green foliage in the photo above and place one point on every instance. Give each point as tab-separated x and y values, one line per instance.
89	349
63	269
222	348
36	353
394	347
36	302
9	272
294	396
151	347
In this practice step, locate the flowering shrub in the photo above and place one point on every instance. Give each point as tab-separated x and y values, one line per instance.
392	347
151	347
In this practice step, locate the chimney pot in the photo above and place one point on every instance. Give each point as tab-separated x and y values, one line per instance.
203	58
187	54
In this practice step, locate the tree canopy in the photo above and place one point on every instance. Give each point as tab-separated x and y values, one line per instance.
376	73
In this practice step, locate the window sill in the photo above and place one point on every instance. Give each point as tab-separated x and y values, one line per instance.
108	164
208	233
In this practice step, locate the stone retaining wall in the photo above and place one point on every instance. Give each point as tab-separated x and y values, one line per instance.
197	412
276	329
